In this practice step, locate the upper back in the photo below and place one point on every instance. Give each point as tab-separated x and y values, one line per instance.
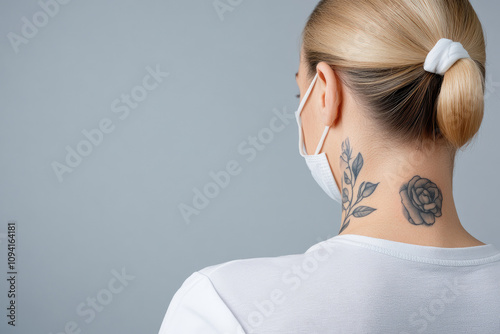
357	284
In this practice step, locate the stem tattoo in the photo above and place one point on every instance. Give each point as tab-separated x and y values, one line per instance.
350	177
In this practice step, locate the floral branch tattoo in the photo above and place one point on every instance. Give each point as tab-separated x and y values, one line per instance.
350	177
422	201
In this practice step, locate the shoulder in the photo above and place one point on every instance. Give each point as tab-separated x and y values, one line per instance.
260	267
265	272
201	303
214	296
197	308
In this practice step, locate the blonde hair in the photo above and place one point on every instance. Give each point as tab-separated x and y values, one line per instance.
378	48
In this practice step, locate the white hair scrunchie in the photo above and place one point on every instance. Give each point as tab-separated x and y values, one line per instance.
444	54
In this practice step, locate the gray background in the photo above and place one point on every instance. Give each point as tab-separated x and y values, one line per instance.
120	207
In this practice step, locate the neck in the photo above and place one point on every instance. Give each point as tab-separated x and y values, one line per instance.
400	195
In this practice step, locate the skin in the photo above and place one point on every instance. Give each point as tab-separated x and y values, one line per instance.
385	161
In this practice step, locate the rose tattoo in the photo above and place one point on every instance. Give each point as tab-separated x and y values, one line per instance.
422	201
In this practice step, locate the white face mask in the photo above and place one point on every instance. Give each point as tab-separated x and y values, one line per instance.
318	163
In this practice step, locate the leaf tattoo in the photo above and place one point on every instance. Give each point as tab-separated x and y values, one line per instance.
347	180
369	189
362	211
361	189
366	189
357	165
345	195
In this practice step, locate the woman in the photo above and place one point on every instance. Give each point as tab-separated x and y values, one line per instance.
390	90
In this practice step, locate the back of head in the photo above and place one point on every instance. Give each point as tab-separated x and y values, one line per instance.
378	48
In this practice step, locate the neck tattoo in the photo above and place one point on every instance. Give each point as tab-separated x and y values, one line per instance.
350	208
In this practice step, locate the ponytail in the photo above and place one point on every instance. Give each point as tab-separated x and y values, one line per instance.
460	105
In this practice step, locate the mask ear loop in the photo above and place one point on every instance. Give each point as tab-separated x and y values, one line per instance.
299	121
322	140
311	86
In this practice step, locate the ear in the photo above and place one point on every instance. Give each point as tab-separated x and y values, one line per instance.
331	93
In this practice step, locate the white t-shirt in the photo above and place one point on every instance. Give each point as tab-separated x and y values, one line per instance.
346	284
